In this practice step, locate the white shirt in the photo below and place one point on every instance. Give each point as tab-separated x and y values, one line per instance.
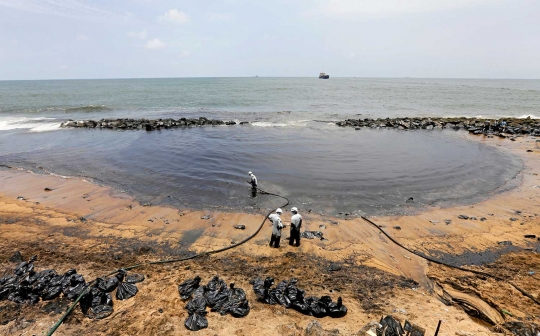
276	224
296	221
253	179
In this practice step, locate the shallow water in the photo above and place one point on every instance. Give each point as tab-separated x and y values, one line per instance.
325	168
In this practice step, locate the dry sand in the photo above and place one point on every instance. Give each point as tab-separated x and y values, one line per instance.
96	230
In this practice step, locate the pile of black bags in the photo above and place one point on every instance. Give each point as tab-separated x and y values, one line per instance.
216	295
288	294
27	286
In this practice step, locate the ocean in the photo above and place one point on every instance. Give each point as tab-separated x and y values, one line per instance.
291	143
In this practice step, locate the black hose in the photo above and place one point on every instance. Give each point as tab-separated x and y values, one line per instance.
166	261
448	265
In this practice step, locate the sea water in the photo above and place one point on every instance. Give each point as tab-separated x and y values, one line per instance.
291	143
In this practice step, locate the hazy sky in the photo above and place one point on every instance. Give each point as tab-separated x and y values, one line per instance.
42	39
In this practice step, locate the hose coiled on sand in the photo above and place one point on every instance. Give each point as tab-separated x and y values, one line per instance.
167	261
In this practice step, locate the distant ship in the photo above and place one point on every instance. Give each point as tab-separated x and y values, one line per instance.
323	75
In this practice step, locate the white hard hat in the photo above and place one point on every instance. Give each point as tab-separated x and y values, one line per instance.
278	210
295	209
250	173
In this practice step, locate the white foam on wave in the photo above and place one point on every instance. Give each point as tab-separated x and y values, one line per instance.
32	124
525	116
294	123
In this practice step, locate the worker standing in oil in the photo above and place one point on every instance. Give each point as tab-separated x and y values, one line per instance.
277	225
253	182
296	223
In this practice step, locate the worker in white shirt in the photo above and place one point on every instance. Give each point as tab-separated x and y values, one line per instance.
277	225
253	182
296	223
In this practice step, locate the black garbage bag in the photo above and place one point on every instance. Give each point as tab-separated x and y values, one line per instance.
51	292
108	285
337	309
86	301
220	299
301	307
134	278
317	306
56	280
196	321
25	266
292	292
390	327
42	281
73	292
100	312
196	305
279	294
237	305
126	290
29	278
71	281
187	287
22	294
262	290
216	289
6	290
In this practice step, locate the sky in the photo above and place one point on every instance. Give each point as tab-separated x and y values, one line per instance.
56	39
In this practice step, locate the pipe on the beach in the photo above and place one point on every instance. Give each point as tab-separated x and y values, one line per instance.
166	261
451	266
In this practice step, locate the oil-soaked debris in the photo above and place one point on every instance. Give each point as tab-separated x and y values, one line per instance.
312	235
240	227
289	295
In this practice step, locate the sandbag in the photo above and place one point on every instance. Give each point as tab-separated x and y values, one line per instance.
196	321
187	287
126	290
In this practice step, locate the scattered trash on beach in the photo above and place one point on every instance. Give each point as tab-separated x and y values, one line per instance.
21	198
322	226
463	217
530	236
505	243
448	221
397	227
240	227
27	286
289	295
434	221
47	189
216	295
513	219
312	235
389	326
205	217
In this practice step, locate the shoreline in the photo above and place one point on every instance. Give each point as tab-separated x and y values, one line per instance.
78	213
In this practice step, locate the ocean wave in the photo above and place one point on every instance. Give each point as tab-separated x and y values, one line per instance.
32	124
87	108
294	123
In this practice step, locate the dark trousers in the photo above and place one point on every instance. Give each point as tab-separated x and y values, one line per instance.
275	240
295	235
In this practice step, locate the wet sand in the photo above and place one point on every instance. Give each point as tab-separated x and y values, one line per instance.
97	229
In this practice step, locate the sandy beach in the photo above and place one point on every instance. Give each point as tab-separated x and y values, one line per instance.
96	230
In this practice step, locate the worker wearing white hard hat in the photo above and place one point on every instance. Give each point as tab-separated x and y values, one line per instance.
296	224
277	225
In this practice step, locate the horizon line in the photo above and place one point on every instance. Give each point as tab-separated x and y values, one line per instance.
256	76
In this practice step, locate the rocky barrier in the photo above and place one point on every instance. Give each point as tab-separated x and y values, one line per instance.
147	124
511	126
